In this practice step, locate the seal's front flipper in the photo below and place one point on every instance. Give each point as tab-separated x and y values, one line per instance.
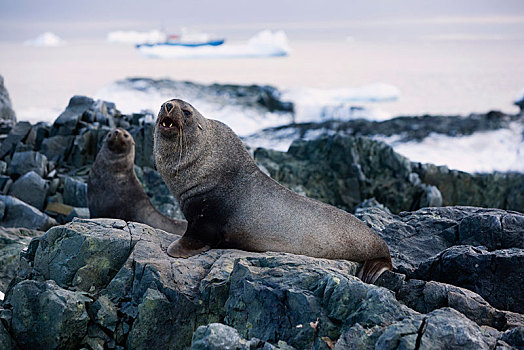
186	247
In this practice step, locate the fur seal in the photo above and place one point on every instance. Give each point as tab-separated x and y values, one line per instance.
113	190
230	203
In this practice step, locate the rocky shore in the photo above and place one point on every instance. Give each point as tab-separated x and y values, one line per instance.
71	282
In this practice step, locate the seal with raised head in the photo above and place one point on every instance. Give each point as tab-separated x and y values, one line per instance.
113	190
230	203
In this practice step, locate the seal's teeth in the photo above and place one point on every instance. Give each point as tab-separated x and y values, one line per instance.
164	124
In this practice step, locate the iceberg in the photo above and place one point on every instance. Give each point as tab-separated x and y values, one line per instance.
263	44
134	37
46	39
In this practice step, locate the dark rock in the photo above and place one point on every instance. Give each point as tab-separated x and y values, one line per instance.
24	162
6	109
20	214
99	253
75	192
30	188
3	167
6	341
57	148
414	237
493	275
143	137
217	336
344	171
46	316
12	241
67	122
81	213
5	184
144	299
441	329
17	134
86	146
495	190
515	337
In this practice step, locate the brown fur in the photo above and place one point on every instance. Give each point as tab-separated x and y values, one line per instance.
230	203
113	190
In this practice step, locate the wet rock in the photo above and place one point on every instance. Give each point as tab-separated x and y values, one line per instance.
30	188
20	214
75	192
18	133
47	316
24	162
493	275
6	109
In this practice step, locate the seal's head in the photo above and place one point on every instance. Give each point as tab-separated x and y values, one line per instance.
176	118
119	141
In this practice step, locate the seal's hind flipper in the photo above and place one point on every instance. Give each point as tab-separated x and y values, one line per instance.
185	247
372	269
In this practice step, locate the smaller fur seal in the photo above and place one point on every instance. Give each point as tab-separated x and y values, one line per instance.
113	190
230	203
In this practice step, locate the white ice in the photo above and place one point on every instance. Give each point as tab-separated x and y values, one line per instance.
134	37
46	39
263	44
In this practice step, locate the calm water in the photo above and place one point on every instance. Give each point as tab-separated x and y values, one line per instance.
437	77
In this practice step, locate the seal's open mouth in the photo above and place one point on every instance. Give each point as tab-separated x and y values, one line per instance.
167	122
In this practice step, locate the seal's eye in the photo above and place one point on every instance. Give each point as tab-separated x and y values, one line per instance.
187	113
126	136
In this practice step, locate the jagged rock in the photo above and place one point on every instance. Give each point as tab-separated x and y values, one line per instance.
30	188
18	133
46	316
86	146
514	337
20	214
493	275
57	148
276	297
67	122
99	253
440	329
24	162
5	184
6	341
6	109
217	336
495	190
12	241
75	192
344	171
414	237
143	136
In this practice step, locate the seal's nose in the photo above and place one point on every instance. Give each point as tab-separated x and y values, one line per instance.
168	107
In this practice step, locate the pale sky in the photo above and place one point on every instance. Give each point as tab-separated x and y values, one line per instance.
25	19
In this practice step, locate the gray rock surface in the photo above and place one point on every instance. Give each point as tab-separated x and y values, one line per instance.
30	188
493	275
20	214
12	242
75	192
6	108
138	297
46	316
24	162
18	133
